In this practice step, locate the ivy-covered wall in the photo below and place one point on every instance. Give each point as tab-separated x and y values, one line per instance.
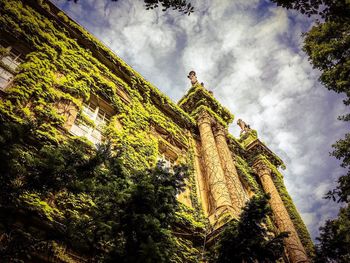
61	69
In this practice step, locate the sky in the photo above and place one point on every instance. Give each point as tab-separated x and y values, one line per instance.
248	52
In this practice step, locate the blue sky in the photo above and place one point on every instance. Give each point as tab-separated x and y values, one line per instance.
248	52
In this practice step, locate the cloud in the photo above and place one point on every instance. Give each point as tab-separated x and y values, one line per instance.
249	53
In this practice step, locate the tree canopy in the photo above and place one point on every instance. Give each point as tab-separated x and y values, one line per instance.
326	9
334	240
84	198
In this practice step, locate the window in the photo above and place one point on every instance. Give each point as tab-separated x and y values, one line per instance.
168	163
9	62
100	118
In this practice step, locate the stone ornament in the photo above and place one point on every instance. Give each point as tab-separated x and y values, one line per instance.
244	127
193	78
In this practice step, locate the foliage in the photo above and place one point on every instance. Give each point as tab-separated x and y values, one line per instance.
182	6
248	137
328	45
327	9
248	239
334	239
342	152
75	74
32	174
245	173
103	212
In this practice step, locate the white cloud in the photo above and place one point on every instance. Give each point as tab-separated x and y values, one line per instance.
249	53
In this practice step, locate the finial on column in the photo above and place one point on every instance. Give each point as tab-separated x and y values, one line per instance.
193	78
244	127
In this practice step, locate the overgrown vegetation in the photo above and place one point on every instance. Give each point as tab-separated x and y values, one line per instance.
85	198
199	99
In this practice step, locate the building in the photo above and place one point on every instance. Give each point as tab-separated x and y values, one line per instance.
52	70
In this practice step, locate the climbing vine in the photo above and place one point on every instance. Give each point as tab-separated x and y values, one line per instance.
60	69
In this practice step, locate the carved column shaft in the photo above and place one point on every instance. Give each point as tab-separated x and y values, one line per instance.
295	249
216	178
237	194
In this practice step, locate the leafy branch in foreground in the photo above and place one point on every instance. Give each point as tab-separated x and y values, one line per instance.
182	6
84	198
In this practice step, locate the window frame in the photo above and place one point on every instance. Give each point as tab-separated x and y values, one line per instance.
13	58
92	109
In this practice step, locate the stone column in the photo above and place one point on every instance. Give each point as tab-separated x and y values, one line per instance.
216	178
295	249
200	179
237	193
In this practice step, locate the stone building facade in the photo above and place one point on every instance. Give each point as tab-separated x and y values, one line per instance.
51	66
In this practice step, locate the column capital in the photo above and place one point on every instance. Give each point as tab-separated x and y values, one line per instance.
219	130
261	168
204	117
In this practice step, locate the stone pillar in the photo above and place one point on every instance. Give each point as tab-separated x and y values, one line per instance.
216	178
237	193
200	179
295	249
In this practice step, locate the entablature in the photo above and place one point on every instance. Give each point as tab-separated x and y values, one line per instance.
256	148
198	98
